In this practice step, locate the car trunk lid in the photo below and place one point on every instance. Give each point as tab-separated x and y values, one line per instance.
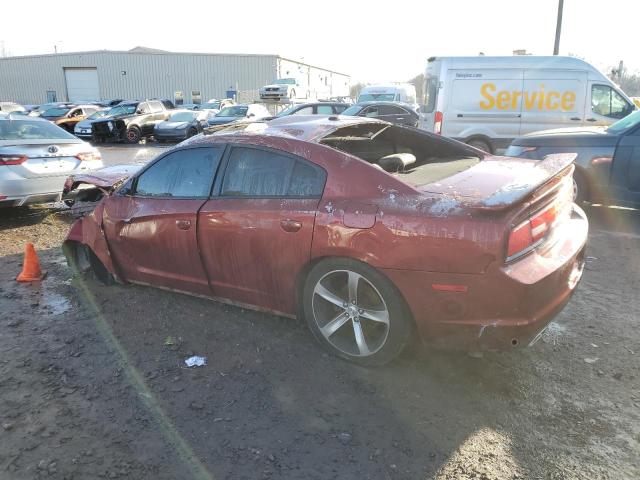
500	183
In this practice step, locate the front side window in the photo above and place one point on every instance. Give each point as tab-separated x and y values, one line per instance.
156	107
371	112
181	174
235	111
143	108
392	110
607	102
253	172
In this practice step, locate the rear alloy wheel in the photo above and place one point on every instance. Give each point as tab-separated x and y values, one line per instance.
355	312
133	135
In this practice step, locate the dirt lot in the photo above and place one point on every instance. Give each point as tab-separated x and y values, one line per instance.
93	385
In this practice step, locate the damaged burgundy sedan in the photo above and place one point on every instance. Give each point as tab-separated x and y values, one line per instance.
373	233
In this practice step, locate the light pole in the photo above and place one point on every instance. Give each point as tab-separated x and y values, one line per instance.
556	45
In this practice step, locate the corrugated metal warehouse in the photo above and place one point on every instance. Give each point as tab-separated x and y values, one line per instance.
147	73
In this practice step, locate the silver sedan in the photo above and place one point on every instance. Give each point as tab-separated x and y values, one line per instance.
36	157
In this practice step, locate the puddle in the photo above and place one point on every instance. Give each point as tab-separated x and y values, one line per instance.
54	303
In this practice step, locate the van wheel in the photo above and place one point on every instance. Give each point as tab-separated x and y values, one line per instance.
480	145
355	311
580	188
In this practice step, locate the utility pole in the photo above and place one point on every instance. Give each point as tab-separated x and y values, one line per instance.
556	45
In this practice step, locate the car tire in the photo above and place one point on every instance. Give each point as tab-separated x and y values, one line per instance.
372	331
580	188
82	260
192	132
133	135
480	145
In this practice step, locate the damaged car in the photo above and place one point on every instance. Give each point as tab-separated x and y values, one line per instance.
129	122
375	234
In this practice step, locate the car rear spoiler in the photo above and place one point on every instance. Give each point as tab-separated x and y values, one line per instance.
520	188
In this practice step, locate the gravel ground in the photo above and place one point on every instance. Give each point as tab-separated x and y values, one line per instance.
93	384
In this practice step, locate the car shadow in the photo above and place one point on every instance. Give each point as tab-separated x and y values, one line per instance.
13	217
613	219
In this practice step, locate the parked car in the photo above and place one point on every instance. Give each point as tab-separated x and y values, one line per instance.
215	105
372	232
38	109
318	108
393	112
488	101
397	92
9	107
68	117
36	157
182	124
607	158
188	106
284	89
83	128
234	113
130	121
109	103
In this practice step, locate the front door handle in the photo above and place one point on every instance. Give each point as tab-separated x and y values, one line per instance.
575	119
591	120
290	226
183	224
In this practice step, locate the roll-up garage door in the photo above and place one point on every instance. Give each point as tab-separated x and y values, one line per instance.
82	84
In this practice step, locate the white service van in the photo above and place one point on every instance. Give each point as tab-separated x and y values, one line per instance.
488	101
397	92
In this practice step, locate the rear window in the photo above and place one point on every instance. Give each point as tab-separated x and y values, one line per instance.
377	97
31	130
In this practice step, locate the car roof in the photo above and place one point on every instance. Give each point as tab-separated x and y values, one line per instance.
20	116
381	102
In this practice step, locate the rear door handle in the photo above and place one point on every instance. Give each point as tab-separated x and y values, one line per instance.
591	120
575	119
183	224
290	226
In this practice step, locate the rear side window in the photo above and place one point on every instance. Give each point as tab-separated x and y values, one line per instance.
324	109
253	172
431	94
181	174
156	106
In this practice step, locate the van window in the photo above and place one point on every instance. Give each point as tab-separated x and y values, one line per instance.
431	94
607	102
376	97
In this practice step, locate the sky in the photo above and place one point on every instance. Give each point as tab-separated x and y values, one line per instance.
373	41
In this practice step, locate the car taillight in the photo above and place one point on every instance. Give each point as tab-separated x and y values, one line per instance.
437	123
12	159
530	233
88	156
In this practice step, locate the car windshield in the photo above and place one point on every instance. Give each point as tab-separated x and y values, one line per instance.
627	122
288	111
235	111
31	130
378	97
285	81
122	110
98	114
182	117
353	110
55	112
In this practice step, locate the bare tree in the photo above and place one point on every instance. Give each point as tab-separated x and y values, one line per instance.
354	90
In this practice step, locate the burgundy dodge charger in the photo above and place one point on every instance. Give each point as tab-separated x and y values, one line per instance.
373	233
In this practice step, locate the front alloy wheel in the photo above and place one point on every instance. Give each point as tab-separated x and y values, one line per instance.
355	311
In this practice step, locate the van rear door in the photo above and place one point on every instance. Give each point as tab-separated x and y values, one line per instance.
484	103
553	99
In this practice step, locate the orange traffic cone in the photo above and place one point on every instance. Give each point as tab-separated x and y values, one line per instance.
31	271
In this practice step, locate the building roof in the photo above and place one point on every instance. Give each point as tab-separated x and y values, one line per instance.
141	50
